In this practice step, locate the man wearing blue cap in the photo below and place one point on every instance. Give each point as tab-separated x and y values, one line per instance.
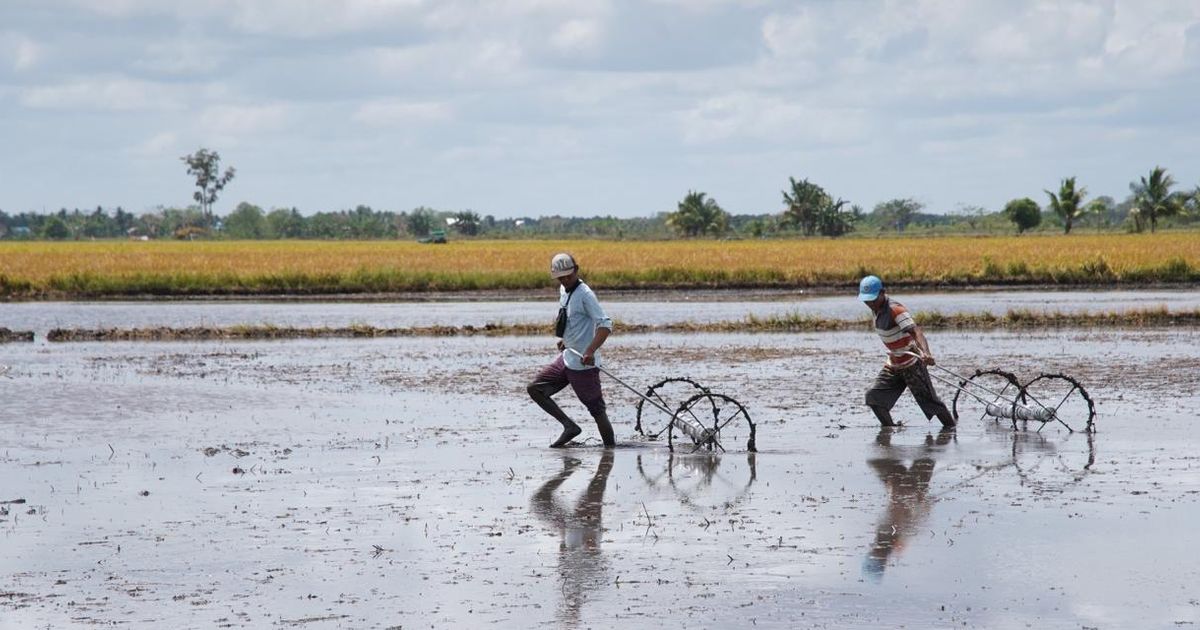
908	354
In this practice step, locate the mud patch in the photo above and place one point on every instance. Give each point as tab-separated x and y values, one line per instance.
10	336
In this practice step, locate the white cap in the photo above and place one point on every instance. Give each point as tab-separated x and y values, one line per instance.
562	265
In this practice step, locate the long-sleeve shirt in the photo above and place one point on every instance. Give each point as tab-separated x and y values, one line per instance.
584	316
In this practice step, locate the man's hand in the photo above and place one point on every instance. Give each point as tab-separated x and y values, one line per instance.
561	346
589	358
928	358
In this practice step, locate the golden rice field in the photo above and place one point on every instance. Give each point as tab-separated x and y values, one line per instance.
114	268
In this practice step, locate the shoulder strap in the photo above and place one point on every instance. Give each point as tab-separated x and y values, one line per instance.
572	292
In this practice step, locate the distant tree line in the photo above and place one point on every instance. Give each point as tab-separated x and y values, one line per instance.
811	211
806	209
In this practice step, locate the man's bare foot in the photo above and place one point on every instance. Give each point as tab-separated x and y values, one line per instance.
568	434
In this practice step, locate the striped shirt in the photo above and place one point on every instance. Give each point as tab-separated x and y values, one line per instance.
895	326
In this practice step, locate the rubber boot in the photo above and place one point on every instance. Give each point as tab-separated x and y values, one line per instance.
605	428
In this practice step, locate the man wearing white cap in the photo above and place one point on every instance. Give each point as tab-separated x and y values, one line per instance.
908	354
583	327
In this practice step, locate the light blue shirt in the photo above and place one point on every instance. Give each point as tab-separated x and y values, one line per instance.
584	316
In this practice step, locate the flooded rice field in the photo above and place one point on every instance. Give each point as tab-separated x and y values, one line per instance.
406	483
653	308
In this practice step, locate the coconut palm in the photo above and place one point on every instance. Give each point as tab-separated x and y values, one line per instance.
697	216
1068	203
1153	198
814	211
805	202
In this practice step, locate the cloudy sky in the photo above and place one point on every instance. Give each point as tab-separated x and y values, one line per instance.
531	107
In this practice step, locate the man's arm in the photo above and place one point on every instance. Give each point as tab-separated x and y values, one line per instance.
923	345
603	328
601	337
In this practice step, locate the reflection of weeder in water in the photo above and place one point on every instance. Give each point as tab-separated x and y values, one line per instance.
1040	451
1022	403
702	470
725	411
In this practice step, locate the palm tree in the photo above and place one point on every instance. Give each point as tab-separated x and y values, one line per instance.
805	202
467	222
697	215
1153	199
1068	203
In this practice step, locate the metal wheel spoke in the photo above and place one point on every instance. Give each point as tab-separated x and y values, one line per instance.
686	420
1068	395
1076	411
658	396
722	425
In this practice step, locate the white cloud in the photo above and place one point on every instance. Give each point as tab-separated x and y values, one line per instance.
1053	33
1150	39
577	36
242	120
476	65
793	35
746	116
633	87
184	56
396	112
309	18
288	18
21	51
160	144
113	94
26	55
466	16
515	144
941	51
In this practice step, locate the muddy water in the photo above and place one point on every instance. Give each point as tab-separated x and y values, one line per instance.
405	482
700	306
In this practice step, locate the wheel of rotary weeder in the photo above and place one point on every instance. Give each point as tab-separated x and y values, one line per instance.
668	392
1066	401
995	386
718	420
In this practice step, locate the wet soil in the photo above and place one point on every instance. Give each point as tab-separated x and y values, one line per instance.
406	483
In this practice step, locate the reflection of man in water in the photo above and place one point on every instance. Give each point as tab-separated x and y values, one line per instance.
580	564
908	501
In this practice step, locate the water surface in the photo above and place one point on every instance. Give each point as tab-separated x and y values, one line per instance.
662	308
406	482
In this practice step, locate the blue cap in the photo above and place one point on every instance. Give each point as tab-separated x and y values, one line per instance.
873	568
869	288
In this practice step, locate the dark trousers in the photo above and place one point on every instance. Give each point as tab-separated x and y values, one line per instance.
586	384
891	382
